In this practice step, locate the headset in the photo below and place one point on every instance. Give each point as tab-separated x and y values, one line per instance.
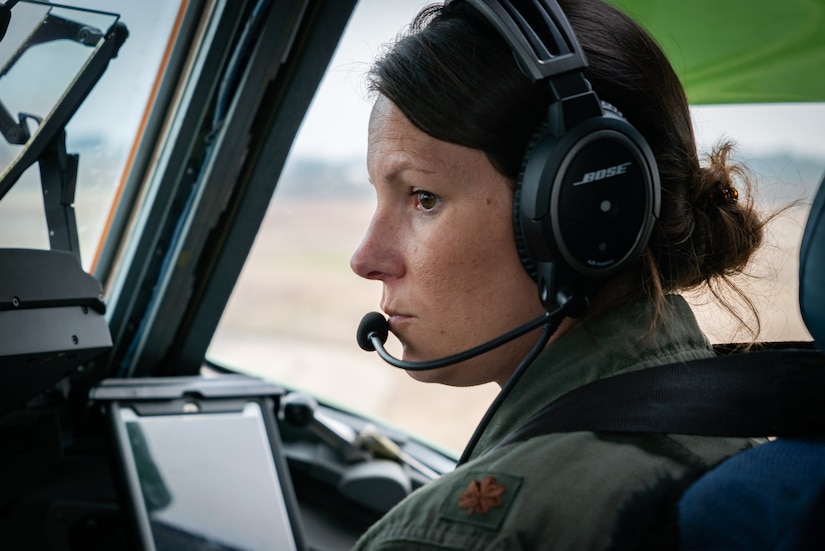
588	193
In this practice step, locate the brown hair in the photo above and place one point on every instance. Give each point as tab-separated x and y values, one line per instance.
455	78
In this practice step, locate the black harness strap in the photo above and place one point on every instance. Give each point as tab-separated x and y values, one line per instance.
764	393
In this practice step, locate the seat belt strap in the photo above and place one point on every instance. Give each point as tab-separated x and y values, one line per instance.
764	393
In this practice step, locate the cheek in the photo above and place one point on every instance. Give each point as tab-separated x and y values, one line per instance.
467	261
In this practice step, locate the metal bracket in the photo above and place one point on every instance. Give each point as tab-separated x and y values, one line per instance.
58	178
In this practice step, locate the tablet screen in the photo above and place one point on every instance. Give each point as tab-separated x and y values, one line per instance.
207	480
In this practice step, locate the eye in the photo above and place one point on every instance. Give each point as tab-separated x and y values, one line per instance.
425	200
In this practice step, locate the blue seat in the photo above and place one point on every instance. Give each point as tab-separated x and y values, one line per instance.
772	496
811	264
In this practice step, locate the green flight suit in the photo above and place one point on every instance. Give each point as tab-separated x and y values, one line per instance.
559	491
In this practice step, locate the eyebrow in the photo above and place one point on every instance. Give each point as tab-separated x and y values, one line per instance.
405	164
395	175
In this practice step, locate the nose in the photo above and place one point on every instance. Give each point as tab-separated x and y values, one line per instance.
378	256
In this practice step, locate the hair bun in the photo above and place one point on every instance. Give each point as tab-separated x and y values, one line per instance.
727	231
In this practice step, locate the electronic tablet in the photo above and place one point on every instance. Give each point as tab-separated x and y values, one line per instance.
202	463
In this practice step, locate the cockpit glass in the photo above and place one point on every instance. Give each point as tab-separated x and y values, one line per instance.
40	56
294	312
45	48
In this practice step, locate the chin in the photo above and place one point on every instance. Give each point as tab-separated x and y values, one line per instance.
459	375
433	376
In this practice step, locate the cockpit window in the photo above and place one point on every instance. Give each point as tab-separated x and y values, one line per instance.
47	45
294	312
295	309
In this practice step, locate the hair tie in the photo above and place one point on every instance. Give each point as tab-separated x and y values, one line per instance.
726	195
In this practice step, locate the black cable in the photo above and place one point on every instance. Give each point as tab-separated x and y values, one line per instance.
547	331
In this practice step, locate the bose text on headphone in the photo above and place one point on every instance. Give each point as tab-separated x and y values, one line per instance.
588	193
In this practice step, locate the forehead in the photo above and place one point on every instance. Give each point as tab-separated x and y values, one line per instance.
390	129
394	144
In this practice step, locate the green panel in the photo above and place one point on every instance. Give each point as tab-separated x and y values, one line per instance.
740	51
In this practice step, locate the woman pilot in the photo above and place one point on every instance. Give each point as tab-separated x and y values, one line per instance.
454	118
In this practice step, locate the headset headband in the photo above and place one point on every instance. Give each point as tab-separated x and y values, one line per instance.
544	44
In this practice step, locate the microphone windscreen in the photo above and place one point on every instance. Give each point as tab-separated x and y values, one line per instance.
372	323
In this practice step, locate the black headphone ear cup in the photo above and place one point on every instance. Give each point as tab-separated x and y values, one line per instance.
585	201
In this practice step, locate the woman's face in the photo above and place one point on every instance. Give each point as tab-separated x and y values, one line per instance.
441	243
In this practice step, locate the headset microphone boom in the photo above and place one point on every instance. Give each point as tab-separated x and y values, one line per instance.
374	329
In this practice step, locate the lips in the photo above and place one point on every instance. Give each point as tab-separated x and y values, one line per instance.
396	319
